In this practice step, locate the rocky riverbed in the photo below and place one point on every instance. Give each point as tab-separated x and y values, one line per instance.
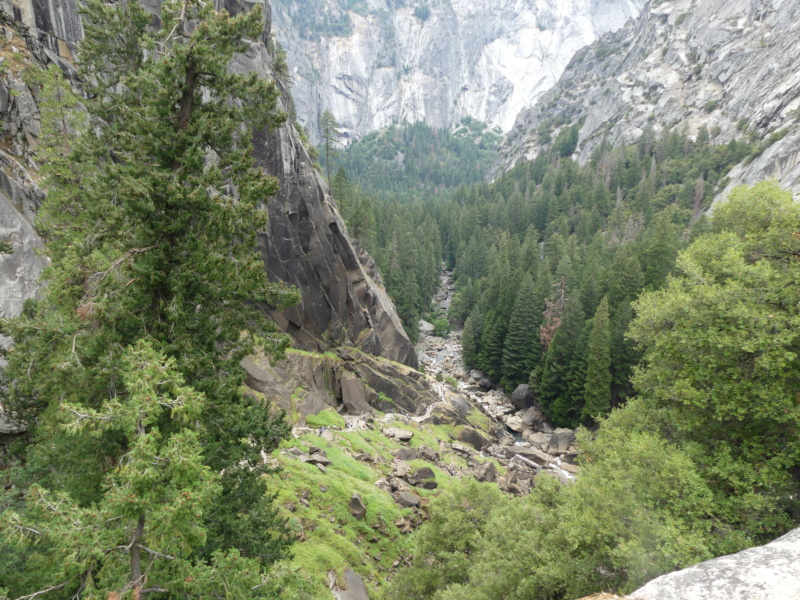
520	431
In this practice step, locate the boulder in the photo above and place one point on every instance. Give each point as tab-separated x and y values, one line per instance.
425	327
398	434
769	572
424	478
560	441
533	416
514	423
461	449
406	454
428	453
474	438
316	459
443	413
522	396
356	590
356	506
406	499
486	472
531	453
459	402
354	395
540	440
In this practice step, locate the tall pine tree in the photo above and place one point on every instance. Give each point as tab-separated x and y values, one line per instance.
522	337
597	398
144	475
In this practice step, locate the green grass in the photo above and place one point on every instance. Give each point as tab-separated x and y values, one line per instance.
370	546
325	418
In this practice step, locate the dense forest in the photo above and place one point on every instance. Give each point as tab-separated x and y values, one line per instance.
605	286
385	186
702	461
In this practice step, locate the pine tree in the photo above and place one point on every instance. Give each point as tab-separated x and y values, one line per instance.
554	386
468	348
522	337
329	132
597	398
145	453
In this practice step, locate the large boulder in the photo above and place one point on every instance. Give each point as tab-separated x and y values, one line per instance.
560	441
473	437
354	395
522	396
398	434
770	572
356	506
355	590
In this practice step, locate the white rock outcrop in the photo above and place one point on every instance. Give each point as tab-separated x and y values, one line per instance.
729	65
486	59
770	572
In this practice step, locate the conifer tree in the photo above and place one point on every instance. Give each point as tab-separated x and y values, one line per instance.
597	398
522	337
145	453
329	132
554	385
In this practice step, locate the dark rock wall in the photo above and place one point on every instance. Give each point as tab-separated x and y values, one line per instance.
307	245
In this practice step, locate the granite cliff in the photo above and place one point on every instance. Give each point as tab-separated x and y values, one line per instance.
383	61
728	65
343	301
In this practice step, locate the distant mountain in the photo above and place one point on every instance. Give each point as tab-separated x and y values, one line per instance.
378	62
727	65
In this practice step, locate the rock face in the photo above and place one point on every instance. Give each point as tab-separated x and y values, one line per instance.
343	300
437	61
770	572
726	64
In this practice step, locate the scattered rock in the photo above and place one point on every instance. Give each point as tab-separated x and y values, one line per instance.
316	459
560	441
514	422
461	449
569	468
486	472
406	499
406	454
356	506
428	454
474	438
540	440
425	327
522	397
399	434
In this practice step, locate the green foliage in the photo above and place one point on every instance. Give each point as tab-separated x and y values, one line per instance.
144	456
630	516
610	228
330	133
325	418
519	350
441	327
413	161
597	398
720	349
448	541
